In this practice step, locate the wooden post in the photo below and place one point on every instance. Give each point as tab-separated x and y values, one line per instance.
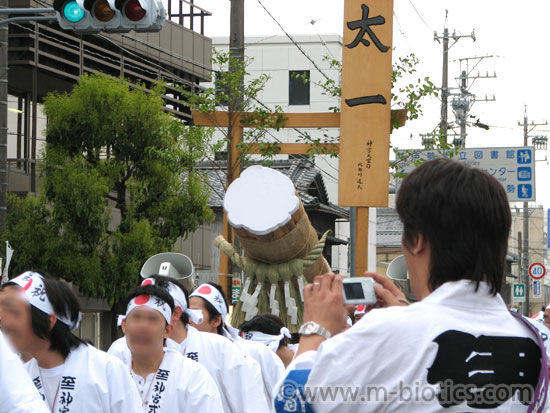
361	241
233	172
366	99
366	114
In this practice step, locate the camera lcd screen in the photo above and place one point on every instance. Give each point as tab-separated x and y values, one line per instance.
354	291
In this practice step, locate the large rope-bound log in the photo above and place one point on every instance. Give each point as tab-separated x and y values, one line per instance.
273	228
271	288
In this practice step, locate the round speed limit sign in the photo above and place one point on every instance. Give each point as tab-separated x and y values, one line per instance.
537	271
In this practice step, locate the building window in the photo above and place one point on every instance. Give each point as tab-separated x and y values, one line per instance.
298	90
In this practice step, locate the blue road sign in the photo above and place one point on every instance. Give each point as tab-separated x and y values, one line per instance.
513	167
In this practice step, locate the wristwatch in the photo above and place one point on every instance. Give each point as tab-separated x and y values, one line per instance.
310	328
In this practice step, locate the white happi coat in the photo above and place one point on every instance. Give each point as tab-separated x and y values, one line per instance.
180	385
17	393
544	333
393	354
119	349
92	382
238	378
271	365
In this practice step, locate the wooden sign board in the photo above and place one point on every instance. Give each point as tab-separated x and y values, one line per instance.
366	100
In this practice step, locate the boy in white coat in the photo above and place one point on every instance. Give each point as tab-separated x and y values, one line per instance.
165	379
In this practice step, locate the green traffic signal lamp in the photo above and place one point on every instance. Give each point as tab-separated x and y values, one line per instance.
72	11
71	15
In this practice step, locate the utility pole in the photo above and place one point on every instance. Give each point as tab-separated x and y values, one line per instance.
444	125
520	253
236	52
234	132
3	120
464	90
463	101
445	79
525	253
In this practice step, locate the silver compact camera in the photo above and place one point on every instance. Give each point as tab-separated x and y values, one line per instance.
359	290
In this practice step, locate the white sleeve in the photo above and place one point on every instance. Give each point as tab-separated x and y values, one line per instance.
273	370
123	394
201	392
120	350
17	392
243	381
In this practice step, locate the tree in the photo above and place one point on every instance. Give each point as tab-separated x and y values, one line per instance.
119	185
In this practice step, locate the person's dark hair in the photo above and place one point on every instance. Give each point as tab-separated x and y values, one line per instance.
152	290
212	312
464	215
64	302
164	283
267	324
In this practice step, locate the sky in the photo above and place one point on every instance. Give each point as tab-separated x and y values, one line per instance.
515	33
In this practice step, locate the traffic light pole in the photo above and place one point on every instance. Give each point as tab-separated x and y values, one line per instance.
26	18
4	28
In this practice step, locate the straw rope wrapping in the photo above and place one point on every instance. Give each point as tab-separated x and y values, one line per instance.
271	288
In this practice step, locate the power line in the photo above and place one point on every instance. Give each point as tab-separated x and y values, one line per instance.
401	30
293	41
419	15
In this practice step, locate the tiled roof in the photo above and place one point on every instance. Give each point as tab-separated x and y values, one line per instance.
307	179
388	228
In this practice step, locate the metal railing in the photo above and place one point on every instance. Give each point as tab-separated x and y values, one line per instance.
180	15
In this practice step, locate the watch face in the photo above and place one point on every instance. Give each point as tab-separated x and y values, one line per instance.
309	328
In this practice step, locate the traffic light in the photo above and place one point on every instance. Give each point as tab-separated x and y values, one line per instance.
118	16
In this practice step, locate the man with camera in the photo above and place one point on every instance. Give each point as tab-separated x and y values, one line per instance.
458	348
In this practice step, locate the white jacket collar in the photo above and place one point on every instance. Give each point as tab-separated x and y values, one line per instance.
463	294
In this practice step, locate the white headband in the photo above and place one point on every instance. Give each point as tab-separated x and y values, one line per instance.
268	339
213	296
179	300
34	292
152	302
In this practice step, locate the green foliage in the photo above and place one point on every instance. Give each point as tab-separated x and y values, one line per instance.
119	185
229	94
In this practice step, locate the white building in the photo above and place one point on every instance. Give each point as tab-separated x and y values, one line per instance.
280	58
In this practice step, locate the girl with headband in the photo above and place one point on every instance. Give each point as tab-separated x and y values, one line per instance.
38	315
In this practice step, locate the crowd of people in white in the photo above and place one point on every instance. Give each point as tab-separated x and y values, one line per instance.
457	348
